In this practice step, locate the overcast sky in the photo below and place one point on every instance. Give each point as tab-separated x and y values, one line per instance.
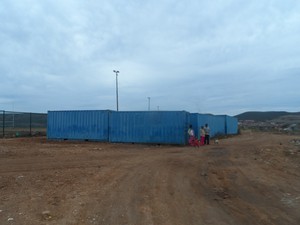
219	57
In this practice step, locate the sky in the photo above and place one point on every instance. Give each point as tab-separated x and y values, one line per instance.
218	57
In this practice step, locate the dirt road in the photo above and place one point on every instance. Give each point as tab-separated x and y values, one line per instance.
250	179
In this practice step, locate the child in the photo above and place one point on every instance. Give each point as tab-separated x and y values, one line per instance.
193	141
202	135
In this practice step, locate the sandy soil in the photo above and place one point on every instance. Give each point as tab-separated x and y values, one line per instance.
253	178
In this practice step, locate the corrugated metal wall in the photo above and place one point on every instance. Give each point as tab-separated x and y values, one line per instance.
215	123
163	127
217	126
78	125
231	125
196	123
149	127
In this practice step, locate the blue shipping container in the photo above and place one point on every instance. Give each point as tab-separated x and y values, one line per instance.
78	125
215	123
231	125
160	127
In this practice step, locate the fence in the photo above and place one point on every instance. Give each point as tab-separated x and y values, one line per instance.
17	124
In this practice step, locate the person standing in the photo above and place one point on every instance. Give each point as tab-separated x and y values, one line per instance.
202	135
191	131
192	139
207	134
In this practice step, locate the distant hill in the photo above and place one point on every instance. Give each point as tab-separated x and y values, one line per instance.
264	116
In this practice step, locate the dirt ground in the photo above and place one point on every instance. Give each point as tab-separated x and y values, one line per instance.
253	178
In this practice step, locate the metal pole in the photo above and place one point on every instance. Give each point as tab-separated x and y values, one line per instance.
30	126
117	92
3	126
13	115
148	103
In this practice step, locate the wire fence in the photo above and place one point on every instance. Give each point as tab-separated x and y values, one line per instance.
21	124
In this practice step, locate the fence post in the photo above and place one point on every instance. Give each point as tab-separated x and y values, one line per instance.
30	124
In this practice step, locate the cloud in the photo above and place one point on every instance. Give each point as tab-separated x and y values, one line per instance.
200	56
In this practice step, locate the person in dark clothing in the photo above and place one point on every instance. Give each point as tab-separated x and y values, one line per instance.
207	134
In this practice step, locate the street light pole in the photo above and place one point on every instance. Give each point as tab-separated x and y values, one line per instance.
116	71
148	103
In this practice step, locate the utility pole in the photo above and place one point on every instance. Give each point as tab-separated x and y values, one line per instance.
117	97
148	103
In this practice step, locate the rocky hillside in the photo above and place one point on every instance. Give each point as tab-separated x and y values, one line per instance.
267	116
